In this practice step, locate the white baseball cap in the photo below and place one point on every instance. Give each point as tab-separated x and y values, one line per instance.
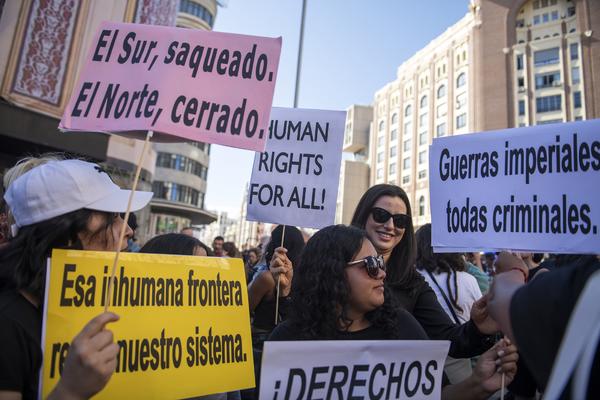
60	187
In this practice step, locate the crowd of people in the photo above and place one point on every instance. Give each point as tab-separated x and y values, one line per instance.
504	314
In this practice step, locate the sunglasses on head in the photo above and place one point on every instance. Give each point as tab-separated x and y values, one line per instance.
382	216
372	264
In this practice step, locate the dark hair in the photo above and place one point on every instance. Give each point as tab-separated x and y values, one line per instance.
174	243
293	242
432	262
218	238
256	251
537	257
231	250
320	288
401	270
23	259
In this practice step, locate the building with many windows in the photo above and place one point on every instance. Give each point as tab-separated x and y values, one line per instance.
505	64
179	182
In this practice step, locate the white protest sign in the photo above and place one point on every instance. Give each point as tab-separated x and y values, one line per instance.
347	369
534	189
295	180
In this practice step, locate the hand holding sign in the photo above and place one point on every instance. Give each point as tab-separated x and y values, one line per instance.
91	360
282	269
500	359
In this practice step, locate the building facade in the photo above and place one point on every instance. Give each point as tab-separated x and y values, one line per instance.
505	64
354	172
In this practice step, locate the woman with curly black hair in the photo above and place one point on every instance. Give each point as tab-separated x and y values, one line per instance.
339	293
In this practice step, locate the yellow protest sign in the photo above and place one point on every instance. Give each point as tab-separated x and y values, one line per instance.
184	329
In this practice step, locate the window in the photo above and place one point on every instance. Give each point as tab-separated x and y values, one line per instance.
548	103
379	173
441	110
394	135
521	83
536	19
422	157
380	141
380	157
545	17
407	111
461	121
423	174
395	118
381	125
406	163
406	145
177	192
521	107
554	15
181	163
392	151
423	119
423	138
421	206
423	101
546	57
461	80
570	11
441	92
408	128
197	10
392	169
441	129
550	121
574	50
577	99
405	179
547	79
575	78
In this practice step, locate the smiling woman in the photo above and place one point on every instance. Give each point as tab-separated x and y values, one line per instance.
384	213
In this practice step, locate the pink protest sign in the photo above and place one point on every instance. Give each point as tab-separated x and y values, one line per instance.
180	83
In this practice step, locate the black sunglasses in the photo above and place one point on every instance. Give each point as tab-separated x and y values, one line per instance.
382	216
372	264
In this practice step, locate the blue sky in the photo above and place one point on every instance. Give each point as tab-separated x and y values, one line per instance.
351	49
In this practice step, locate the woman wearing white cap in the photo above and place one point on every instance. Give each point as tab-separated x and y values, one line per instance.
60	204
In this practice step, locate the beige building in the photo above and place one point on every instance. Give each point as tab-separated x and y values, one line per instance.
505	64
354	172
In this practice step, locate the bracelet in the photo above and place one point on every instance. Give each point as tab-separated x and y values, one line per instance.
521	271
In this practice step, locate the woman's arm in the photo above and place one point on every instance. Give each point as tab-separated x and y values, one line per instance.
466	340
260	287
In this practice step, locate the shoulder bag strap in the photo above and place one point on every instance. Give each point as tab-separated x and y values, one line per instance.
446	300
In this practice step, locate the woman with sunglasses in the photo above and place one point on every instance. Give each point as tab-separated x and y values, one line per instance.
384	213
339	293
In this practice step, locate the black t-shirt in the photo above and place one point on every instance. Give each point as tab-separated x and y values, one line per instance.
20	348
540	313
465	340
411	330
